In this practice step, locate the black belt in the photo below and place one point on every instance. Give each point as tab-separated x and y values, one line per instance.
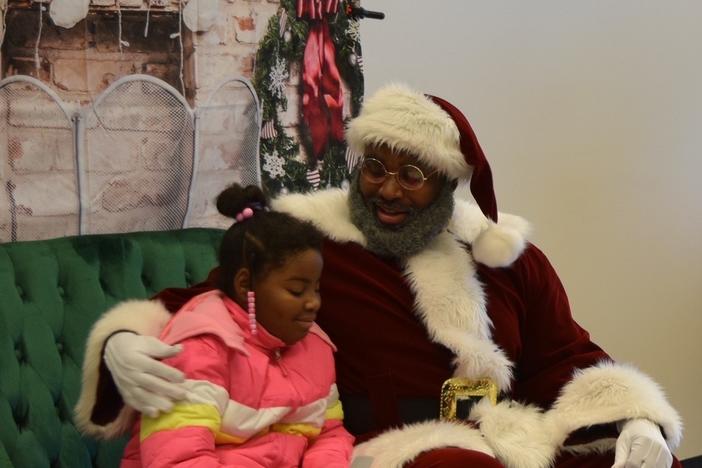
360	417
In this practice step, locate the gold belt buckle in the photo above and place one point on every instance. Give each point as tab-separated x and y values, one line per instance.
458	388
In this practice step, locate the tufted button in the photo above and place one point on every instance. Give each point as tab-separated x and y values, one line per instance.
188	278
19	354
59	347
20	415
20	291
61	291
145	280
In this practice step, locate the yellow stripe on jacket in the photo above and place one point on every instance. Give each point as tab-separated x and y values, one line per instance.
188	415
232	422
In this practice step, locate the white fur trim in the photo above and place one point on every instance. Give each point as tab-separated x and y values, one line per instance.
326	209
142	317
610	392
406	120
451	303
519	435
493	245
399	446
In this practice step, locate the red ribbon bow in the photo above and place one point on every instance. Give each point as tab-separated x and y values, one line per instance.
322	95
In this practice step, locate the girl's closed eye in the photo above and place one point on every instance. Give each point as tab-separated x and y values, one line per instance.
297	286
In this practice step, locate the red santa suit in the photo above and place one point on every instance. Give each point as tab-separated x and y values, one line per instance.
477	302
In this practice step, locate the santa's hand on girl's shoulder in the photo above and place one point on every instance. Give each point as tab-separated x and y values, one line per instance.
146	384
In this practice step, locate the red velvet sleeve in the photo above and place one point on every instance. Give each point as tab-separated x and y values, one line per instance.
553	345
174	298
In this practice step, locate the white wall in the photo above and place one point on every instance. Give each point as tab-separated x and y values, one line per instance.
590	114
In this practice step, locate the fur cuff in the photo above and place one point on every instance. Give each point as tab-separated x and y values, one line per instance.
394	448
142	317
520	436
610	392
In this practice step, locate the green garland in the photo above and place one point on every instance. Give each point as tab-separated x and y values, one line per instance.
272	49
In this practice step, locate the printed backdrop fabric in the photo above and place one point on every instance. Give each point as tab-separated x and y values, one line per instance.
320	40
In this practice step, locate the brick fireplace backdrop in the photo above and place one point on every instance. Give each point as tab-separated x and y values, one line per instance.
264	41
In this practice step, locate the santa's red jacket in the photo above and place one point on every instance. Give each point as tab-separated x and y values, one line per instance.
402	329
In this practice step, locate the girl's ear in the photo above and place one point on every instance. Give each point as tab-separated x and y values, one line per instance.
242	284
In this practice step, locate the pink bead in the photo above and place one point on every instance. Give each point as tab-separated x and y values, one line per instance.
247	213
250	294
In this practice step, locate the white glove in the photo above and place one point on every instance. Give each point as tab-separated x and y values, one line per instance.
641	444
147	385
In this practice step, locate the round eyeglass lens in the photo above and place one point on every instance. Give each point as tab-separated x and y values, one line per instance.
411	177
373	170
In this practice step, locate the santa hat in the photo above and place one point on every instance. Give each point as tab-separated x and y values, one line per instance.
439	135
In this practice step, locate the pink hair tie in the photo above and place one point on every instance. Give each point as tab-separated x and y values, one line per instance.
245	214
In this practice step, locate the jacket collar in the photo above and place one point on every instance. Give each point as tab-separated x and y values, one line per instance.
263	338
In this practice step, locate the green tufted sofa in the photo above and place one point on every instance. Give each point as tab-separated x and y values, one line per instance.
51	292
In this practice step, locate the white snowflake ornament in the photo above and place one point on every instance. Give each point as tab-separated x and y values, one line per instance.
278	78
273	165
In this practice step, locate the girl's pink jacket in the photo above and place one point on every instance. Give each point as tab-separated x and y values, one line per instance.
252	401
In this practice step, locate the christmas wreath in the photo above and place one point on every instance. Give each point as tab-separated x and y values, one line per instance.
321	37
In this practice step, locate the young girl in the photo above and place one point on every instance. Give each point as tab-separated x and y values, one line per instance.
260	372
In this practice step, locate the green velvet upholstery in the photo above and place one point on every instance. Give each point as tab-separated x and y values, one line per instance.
51	292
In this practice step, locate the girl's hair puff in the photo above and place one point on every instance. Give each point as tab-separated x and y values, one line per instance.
262	242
